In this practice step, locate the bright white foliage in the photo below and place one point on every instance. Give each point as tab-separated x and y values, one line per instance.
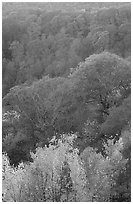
58	173
30	182
102	171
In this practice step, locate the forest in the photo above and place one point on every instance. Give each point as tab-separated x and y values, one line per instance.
66	102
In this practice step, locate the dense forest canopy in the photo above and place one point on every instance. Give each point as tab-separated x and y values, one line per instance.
66	87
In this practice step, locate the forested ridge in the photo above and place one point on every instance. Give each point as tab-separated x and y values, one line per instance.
66	99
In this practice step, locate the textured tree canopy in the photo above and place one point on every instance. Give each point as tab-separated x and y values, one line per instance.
66	99
93	91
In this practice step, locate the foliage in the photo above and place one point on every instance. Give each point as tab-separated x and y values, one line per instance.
40	41
102	172
63	105
97	84
118	118
57	173
66	70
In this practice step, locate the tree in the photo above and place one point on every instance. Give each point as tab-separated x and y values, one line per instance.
103	171
119	117
88	88
101	81
34	122
56	174
9	78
